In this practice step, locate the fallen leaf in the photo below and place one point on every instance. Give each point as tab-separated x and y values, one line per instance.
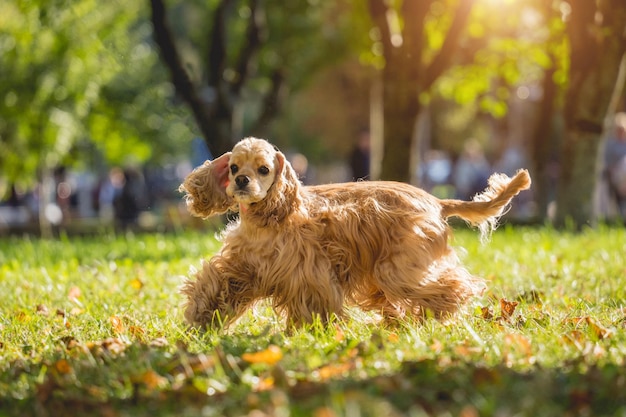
507	308
42	309
574	338
270	356
113	345
486	313
62	366
69	342
152	380
137	331
600	331
74	293
23	317
117	324
328	371
596	328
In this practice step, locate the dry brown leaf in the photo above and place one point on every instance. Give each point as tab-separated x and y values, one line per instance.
117	324
137	331
113	345
42	309
599	330
486	313
507	308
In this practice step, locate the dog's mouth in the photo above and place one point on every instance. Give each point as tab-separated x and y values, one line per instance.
246	197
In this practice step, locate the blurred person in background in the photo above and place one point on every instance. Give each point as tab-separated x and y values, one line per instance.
615	164
471	171
360	157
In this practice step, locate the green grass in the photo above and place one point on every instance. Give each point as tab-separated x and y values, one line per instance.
93	326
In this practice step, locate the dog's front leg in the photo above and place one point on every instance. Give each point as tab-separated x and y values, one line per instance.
219	295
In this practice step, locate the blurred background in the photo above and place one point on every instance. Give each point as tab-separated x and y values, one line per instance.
106	106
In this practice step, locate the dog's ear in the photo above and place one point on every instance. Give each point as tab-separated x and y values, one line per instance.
205	188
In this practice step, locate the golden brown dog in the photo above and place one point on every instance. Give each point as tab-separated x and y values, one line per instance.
382	246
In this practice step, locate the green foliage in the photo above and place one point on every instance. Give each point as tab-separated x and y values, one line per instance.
63	65
95	325
504	46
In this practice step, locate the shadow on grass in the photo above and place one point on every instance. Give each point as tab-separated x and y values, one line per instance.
418	388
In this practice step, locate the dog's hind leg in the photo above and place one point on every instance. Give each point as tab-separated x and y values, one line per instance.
442	289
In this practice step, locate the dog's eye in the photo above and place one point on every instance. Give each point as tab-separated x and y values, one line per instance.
263	170
233	169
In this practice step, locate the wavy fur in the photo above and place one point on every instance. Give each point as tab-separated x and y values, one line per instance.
382	246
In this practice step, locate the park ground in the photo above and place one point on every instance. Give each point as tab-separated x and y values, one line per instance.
93	326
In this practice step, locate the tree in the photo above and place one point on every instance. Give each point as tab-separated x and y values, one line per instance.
235	75
596	31
543	144
63	70
410	71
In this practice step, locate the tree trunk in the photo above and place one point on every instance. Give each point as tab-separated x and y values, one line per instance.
401	109
596	34
542	144
406	75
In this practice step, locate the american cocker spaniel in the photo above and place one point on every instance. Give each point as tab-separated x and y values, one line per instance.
314	250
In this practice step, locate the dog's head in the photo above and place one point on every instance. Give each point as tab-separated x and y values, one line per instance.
253	167
262	181
254	177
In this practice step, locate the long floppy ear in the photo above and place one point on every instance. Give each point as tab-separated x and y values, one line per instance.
283	198
205	188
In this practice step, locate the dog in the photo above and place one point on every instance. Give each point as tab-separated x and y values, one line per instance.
315	250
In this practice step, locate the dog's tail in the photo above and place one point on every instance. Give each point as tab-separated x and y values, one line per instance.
486	208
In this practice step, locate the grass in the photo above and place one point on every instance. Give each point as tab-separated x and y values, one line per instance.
93	326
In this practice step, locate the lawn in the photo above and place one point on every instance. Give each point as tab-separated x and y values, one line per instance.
93	326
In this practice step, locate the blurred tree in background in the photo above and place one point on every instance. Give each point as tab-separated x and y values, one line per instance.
87	84
78	76
233	62
596	34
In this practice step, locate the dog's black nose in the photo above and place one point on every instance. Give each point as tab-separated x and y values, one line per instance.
242	181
